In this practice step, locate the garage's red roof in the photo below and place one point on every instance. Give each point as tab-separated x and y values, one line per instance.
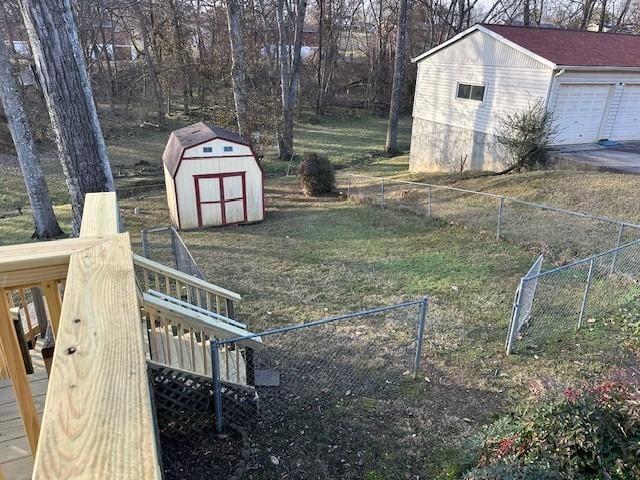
573	47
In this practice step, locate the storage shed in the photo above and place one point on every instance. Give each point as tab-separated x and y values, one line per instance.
212	178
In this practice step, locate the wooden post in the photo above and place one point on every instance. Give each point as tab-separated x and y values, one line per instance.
52	295
18	375
27	316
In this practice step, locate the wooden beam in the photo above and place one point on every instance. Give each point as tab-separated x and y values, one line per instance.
32	277
98	418
101	215
185	278
15	368
42	254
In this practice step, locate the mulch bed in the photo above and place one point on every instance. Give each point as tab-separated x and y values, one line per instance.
205	455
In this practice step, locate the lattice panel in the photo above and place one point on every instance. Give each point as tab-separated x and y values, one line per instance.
185	404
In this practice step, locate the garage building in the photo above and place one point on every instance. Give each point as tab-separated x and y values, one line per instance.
213	178
465	86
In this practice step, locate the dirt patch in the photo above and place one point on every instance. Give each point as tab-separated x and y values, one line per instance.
205	455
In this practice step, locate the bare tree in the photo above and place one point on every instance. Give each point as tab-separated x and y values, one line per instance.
46	224
234	19
290	60
150	61
67	91
398	78
526	13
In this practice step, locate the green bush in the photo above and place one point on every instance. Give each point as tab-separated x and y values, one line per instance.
526	136
584	434
502	471
316	174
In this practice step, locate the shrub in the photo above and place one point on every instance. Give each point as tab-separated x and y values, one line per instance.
502	471
526	136
316	174
584	434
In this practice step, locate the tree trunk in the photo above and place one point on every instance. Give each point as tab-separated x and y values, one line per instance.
151	63
46	224
289	74
526	14
319	95
234	19
603	16
398	79
67	91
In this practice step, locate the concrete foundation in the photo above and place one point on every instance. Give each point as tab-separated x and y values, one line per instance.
436	147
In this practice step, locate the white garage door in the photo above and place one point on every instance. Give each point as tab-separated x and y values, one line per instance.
627	122
579	112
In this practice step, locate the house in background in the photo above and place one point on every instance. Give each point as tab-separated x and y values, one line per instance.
467	85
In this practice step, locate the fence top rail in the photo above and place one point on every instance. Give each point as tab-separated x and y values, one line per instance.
301	326
185	278
584	260
504	197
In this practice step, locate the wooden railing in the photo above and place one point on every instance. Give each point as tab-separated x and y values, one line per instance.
155	276
180	337
97	420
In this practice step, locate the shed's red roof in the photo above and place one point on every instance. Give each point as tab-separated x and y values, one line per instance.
191	136
573	47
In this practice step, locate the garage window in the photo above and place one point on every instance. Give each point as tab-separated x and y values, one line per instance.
470	92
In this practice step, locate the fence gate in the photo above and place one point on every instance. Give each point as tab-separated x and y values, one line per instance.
523	303
330	393
165	245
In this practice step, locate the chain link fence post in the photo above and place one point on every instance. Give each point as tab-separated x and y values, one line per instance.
585	297
217	386
618	241
422	320
382	194
500	211
145	244
429	207
515	316
349	187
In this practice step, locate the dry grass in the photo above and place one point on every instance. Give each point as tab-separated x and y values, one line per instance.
315	257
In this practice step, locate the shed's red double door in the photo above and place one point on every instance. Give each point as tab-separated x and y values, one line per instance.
221	198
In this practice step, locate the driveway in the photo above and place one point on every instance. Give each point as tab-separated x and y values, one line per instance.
621	158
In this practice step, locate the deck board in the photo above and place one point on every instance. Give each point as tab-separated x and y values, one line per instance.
16	461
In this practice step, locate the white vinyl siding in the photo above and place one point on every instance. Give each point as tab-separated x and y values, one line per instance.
513	81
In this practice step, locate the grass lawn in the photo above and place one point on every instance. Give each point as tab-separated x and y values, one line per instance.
316	257
312	258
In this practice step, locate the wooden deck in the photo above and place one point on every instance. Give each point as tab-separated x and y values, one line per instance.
16	461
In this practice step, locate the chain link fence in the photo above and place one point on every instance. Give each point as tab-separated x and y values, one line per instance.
165	245
562	233
552	305
549	305
330	392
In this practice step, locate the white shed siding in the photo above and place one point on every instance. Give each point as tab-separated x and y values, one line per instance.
171	197
512	79
615	79
217	147
186	187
